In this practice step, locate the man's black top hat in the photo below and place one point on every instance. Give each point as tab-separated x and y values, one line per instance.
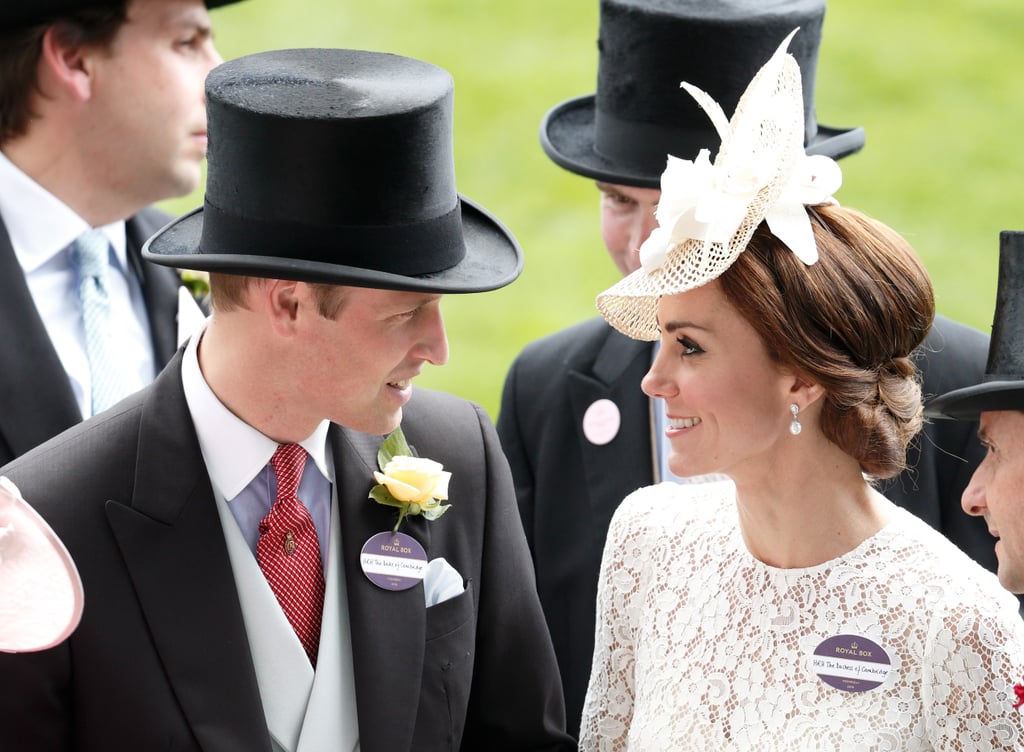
645	49
18	14
337	166
1003	385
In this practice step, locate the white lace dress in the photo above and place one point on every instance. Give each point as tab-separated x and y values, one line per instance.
902	644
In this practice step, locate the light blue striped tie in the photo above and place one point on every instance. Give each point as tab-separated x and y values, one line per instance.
90	253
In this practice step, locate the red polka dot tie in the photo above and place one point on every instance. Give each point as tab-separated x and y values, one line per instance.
289	553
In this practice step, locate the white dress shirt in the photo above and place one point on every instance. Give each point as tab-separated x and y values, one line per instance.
42	228
237	457
306	711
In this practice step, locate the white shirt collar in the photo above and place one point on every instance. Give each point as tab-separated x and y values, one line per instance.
23	202
234	451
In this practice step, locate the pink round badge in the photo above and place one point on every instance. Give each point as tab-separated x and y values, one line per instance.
601	422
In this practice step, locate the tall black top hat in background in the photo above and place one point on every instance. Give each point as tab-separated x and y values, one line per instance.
1003	384
18	14
646	48
337	166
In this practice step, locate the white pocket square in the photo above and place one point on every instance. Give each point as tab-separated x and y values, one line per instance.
441	581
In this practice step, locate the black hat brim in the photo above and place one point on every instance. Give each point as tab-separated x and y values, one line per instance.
567	135
970	401
493	259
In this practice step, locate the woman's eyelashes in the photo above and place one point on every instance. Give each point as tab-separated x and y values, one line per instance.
689	346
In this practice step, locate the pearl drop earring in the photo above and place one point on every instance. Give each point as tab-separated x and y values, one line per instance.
795	427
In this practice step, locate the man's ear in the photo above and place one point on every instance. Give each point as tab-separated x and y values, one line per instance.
65	66
282	299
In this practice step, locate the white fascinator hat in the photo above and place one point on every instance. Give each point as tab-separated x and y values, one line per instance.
709	210
40	589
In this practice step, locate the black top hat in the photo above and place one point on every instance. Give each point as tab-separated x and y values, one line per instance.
1003	385
18	14
646	48
337	166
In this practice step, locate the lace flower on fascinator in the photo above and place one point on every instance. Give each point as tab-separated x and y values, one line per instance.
709	210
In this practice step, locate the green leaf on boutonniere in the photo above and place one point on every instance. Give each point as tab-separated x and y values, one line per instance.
381	495
394	445
434	512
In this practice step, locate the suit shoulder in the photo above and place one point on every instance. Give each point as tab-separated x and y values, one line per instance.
89	437
448	429
429	407
954	335
577	343
953	355
96	449
148	220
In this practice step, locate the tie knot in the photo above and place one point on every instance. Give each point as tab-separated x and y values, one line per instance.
90	253
288	462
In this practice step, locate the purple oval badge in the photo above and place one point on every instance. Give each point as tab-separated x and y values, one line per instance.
851	663
393	561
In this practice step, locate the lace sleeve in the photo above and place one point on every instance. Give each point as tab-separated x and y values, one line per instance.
609	705
977	651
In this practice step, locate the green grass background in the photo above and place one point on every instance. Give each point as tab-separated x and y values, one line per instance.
935	83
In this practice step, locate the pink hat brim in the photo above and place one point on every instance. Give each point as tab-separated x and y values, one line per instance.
41	595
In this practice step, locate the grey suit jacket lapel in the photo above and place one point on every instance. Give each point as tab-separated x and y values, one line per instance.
173	545
159	285
388	628
28	416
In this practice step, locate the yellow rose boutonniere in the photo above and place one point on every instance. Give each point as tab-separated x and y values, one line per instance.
415	485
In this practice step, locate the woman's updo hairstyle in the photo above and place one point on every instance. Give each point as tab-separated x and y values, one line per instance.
849	323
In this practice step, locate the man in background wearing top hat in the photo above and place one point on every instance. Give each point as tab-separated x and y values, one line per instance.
101	114
238	592
995	491
578	431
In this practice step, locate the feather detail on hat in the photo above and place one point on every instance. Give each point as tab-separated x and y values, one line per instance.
713	109
709	210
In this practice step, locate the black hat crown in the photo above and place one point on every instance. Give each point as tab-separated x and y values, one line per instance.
19	14
337	166
1003	385
640	114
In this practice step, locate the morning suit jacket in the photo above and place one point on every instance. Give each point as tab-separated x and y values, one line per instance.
36	400
161	661
568	487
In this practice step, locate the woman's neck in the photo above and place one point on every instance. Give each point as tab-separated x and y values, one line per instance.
809	513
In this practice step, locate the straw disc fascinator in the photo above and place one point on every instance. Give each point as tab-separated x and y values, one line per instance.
709	211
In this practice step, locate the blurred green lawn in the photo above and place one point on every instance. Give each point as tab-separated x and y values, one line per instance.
934	83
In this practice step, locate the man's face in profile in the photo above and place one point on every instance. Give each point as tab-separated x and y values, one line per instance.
996	492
